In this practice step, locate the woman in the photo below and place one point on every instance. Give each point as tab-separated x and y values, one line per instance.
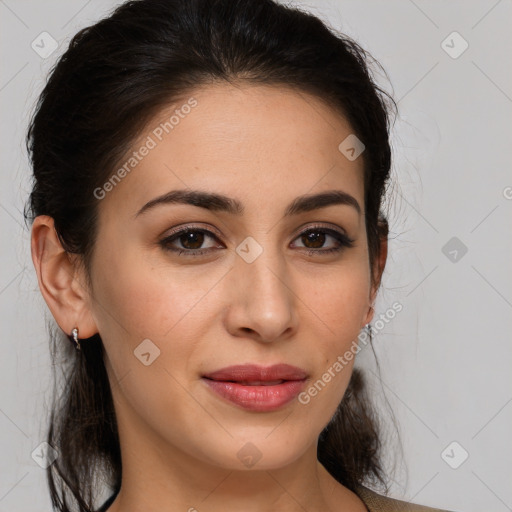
208	177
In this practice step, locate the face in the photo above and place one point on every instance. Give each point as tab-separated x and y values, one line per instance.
261	276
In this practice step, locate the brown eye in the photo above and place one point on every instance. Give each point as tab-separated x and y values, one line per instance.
192	239
313	239
189	242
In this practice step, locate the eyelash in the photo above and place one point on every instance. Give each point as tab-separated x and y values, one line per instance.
343	240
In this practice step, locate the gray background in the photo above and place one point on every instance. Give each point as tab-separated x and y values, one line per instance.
445	358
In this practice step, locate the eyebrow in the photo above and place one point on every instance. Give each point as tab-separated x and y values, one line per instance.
221	203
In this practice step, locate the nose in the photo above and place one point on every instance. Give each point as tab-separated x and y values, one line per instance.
262	304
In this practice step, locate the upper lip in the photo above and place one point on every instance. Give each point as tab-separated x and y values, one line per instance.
252	372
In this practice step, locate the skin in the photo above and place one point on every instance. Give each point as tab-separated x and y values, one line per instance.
264	146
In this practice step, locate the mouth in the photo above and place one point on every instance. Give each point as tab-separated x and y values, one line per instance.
256	388
255	382
255	373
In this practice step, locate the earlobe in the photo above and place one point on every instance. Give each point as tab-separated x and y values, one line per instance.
369	316
59	279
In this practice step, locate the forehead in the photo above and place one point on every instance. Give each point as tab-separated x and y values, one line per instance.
240	140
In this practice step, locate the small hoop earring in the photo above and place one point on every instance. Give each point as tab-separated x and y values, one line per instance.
369	325
74	333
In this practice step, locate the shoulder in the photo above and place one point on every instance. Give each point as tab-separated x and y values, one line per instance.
378	503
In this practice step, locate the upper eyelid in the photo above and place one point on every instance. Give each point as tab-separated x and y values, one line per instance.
187	227
319	225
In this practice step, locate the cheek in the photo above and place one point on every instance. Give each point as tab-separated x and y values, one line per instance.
340	305
168	305
142	300
339	297
159	305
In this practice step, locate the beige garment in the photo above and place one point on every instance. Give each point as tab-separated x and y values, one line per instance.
378	503
373	501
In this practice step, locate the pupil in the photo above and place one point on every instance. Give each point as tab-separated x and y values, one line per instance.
194	239
317	239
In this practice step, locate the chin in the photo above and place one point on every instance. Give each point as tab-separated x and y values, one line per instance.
259	451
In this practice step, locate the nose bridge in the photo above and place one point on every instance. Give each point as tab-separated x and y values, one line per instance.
265	293
262	268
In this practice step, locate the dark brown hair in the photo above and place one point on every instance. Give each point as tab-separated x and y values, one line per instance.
114	77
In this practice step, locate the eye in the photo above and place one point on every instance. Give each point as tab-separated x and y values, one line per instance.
191	241
314	238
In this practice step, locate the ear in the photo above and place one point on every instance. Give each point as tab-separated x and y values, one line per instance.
379	264
60	280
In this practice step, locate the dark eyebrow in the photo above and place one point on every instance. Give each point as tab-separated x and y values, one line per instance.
208	200
219	202
322	200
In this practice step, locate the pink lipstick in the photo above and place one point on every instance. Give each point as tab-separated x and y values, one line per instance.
257	388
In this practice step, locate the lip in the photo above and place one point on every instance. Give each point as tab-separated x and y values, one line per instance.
253	372
257	388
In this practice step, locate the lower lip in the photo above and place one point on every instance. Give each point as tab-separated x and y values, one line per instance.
257	398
